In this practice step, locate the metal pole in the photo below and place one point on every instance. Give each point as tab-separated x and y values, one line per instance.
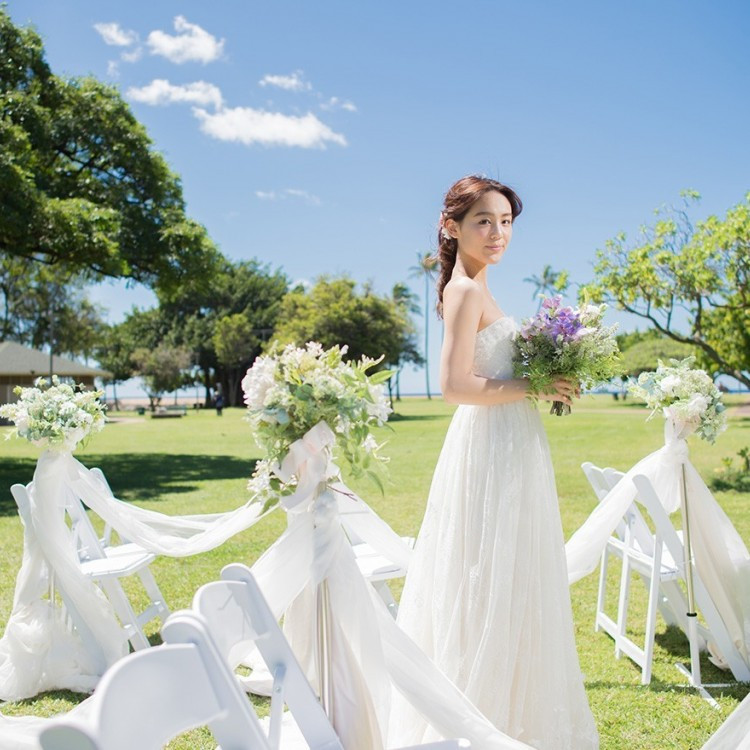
323	647
695	665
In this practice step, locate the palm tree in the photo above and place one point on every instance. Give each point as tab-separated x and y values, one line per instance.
407	301
550	282
426	266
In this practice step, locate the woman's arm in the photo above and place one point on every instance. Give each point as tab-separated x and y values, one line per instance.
462	311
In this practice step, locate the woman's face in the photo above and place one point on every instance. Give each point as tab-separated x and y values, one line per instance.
484	233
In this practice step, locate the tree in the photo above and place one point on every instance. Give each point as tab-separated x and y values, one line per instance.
550	283
115	354
246	288
80	184
426	267
44	306
692	283
406	301
334	313
162	369
641	352
234	342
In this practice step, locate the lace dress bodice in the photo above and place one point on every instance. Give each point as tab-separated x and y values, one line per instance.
493	350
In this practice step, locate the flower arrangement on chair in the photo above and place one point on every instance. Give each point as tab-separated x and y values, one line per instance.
56	416
687	396
292	391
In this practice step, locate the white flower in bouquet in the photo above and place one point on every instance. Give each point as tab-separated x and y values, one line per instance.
685	395
289	392
55	417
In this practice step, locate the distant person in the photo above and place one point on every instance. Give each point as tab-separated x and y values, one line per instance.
219	403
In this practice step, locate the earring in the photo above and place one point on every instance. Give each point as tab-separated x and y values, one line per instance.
445	234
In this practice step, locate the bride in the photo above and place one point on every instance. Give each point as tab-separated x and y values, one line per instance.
487	595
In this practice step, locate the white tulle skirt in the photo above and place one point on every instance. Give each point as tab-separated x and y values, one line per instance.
487	594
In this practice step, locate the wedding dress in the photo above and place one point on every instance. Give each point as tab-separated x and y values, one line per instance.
486	596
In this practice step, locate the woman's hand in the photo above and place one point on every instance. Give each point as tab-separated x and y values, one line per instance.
562	389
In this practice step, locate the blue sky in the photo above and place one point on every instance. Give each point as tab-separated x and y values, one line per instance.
321	137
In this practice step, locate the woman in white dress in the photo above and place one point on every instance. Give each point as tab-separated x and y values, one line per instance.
487	595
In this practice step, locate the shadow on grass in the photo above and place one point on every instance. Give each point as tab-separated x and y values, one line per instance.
395	417
136	476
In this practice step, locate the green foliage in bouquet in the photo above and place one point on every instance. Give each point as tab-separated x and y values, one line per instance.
288	392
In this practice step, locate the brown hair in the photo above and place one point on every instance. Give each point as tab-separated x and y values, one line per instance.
458	200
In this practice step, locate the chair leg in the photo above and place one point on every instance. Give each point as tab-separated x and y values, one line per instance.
653	606
602	595
154	593
622	604
125	612
385	594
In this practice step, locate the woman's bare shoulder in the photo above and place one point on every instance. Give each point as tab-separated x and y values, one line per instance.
462	288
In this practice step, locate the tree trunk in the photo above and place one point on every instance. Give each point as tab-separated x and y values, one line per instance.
114	395
426	333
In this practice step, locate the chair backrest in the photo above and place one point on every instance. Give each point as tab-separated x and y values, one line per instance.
601	485
142	702
639	528
238	616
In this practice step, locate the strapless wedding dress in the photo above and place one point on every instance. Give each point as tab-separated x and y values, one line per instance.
487	593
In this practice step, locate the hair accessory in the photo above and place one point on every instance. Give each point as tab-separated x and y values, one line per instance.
443	231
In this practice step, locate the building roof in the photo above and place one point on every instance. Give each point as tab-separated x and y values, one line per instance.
16	359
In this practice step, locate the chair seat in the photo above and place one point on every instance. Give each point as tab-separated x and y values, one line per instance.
374	566
119	561
642	562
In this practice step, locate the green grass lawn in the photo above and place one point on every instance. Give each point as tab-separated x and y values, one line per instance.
200	464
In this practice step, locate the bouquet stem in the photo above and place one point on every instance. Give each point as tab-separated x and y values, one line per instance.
559	409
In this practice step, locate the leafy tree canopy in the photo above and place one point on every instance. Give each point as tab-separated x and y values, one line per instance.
691	282
80	184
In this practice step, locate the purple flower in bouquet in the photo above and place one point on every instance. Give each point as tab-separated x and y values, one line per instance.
565	342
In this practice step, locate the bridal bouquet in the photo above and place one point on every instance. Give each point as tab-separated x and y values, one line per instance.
57	416
288	393
567	342
685	395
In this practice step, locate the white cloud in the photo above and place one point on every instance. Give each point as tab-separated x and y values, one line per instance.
313	200
113	69
113	34
293	82
161	91
248	126
272	195
190	43
335	103
133	56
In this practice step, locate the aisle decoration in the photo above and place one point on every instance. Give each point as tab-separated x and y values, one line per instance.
690	403
306	403
566	342
289	393
56	416
686	396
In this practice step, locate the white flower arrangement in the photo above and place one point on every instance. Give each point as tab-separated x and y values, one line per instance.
685	395
288	393
56	417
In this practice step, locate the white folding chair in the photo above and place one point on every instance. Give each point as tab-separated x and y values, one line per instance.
106	565
151	696
375	567
666	536
641	552
237	616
